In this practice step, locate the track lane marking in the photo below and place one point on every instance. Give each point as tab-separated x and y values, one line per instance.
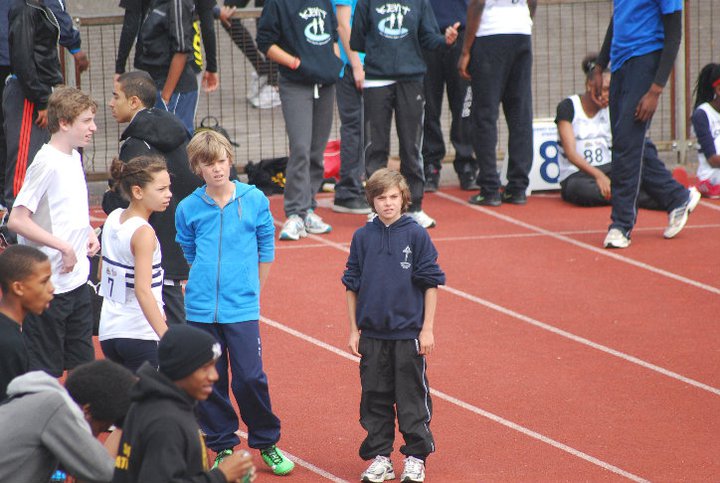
555	330
467	406
600	251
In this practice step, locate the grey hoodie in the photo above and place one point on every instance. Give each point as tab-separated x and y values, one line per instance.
41	426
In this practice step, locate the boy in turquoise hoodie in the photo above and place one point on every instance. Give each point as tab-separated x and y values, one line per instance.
226	232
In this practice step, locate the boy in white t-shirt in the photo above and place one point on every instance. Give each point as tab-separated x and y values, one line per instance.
51	213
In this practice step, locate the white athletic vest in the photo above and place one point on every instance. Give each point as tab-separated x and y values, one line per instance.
121	315
505	17
593	139
704	170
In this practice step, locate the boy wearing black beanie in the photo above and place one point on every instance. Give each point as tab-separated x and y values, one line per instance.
161	439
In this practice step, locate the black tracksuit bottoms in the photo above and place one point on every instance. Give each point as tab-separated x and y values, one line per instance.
393	378
407	100
501	70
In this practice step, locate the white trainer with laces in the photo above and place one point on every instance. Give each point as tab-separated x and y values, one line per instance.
616	239
422	219
380	470
414	471
293	229
315	225
679	216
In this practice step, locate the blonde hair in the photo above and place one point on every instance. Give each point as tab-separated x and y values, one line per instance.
382	180
206	147
66	104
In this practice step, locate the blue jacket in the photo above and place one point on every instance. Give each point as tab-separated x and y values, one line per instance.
390	268
223	248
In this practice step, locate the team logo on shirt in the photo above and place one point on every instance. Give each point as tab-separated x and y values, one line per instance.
391	26
405	263
315	30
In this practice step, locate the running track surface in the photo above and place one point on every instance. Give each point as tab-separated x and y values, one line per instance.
555	360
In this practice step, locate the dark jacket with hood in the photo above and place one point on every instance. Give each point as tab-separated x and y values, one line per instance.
161	440
306	29
157	132
389	268
393	36
33	38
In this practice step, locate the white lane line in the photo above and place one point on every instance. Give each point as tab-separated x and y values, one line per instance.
712	206
469	407
305	464
584	341
600	251
560	332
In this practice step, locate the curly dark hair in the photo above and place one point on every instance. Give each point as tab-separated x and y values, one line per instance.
104	386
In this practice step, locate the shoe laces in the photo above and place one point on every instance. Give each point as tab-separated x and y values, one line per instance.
413	465
379	464
313	219
273	455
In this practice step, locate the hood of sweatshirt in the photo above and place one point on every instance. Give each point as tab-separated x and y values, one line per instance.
153	385
403	223
158	128
38	381
241	189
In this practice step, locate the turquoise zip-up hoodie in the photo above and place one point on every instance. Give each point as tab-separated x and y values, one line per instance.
223	248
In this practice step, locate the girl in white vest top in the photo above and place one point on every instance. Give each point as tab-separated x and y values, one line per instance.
585	140
706	124
132	319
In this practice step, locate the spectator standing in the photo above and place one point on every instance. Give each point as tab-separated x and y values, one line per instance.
442	74
393	37
153	131
51	213
132	318
300	36
166	45
497	59
349	192
263	91
26	289
227	234
391	300
641	43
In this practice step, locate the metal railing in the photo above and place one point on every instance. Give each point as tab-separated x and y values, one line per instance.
564	32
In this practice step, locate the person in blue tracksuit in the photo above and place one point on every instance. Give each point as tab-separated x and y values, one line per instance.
226	232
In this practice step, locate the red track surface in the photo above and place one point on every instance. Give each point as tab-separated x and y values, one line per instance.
555	360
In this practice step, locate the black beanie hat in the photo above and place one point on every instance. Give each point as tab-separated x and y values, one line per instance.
184	349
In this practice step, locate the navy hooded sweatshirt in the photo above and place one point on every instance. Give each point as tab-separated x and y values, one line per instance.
393	34
306	29
389	268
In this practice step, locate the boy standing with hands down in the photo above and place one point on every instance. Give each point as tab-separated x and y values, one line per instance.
391	296
226	232
51	213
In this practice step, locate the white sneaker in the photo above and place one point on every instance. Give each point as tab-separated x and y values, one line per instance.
267	98
679	216
293	229
422	218
371	216
256	82
414	470
379	471
616	239
315	225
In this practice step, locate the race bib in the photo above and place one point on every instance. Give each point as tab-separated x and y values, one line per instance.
595	151
112	283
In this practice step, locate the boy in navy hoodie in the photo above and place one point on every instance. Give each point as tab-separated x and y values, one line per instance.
301	36
393	34
227	235
391	279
